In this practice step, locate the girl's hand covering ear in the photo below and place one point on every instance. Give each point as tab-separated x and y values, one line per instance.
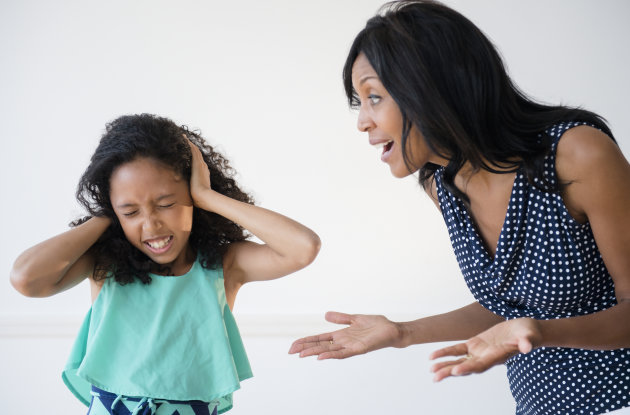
199	176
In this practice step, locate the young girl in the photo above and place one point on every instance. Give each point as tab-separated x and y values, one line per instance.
164	249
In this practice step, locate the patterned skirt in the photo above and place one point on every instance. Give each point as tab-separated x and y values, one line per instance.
106	403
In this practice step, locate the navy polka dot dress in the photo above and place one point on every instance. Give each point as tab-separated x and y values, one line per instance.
546	266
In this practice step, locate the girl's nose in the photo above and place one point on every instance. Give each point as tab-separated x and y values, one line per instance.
151	222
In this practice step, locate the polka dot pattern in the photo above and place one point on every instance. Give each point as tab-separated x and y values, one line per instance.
546	266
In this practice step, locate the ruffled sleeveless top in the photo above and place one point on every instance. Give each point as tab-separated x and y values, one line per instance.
174	338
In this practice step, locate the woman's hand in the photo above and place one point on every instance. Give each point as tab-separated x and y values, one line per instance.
199	176
492	347
365	333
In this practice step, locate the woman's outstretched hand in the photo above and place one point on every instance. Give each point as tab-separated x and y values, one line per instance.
492	347
364	333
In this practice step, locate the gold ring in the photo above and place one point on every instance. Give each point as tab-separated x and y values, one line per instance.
468	356
331	342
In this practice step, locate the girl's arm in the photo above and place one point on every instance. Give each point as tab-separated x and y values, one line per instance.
598	192
58	263
366	333
288	245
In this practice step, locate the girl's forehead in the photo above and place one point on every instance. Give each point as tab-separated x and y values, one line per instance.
143	166
144	177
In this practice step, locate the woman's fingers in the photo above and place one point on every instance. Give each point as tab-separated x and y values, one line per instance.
441	365
309	342
338	354
459	367
320	349
339	318
455	350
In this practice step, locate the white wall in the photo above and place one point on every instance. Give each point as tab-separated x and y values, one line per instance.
261	79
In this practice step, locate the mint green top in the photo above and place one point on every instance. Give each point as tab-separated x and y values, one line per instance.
174	339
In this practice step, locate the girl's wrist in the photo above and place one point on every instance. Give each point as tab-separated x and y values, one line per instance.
206	199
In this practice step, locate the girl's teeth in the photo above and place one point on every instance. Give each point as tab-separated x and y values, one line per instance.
159	244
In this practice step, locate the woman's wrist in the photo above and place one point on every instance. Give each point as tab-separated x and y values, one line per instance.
403	336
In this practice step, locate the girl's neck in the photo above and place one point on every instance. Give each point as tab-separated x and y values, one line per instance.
181	265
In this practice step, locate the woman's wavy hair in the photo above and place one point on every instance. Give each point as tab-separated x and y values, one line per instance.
449	82
145	135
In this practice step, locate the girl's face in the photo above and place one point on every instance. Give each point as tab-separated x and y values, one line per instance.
380	117
155	210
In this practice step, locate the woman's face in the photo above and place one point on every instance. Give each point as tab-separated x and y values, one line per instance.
155	210
380	117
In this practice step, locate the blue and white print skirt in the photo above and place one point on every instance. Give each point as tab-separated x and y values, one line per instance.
106	403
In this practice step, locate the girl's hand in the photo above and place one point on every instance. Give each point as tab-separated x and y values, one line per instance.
199	175
365	333
492	347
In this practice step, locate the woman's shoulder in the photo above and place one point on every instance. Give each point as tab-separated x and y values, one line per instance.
592	166
583	148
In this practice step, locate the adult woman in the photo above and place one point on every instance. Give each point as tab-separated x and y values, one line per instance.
535	198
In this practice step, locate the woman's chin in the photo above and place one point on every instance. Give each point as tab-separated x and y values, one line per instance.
400	172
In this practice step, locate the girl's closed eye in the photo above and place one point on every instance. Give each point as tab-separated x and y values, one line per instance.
167	205
129	214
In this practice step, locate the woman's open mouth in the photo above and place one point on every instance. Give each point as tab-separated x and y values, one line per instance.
387	150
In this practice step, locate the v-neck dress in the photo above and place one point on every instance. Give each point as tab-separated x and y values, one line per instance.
546	266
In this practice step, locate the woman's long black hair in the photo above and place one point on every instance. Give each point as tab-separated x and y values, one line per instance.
450	83
132	136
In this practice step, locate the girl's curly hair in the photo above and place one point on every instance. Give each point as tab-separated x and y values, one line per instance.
145	135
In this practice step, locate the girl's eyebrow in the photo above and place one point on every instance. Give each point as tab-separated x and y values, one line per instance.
165	197
159	198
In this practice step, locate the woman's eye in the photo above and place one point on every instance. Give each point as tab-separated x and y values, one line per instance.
167	206
374	99
129	214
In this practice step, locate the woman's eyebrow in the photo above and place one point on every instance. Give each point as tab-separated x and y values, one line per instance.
362	81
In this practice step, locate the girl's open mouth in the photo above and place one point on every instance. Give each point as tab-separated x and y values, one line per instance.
159	245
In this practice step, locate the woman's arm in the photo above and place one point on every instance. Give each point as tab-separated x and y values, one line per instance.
598	192
288	245
366	333
58	263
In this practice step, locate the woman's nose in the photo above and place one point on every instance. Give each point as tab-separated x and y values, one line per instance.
364	122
